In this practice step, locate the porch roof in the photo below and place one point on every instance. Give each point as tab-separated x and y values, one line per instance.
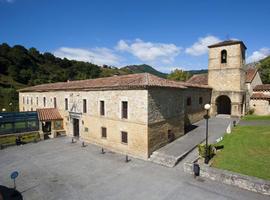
48	114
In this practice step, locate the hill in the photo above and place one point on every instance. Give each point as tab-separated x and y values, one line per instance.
144	69
21	67
264	69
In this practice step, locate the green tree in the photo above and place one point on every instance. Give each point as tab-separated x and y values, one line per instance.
264	69
179	75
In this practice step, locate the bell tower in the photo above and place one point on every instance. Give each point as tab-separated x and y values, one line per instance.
226	75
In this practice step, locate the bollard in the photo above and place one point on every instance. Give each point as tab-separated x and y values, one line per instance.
127	158
234	123
72	140
102	151
196	169
83	144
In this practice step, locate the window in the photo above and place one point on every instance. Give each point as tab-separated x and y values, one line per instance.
124	137
58	124
102	108
66	104
200	100
27	100
44	101
31	109
103	132
189	101
223	56
54	102
124	109
23	100
31	101
84	106
37	101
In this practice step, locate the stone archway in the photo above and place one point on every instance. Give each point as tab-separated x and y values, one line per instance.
223	103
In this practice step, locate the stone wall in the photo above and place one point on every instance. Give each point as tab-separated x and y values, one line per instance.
196	111
238	100
165	114
256	81
228	76
90	123
260	106
231	178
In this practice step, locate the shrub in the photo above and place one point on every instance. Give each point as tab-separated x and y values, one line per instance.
211	150
251	111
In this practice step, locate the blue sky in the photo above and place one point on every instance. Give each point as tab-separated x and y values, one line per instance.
165	34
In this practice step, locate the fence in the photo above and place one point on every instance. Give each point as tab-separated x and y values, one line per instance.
18	122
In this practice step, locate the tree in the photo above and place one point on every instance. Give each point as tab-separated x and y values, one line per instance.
179	75
264	69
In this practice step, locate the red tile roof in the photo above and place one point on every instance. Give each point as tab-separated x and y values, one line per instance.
263	87
260	96
251	72
131	81
48	114
228	42
201	79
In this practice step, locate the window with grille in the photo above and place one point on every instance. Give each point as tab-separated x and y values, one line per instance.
103	132
124	109
102	108
84	106
200	100
54	102
124	137
189	101
66	104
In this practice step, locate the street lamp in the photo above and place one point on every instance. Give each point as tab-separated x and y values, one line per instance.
207	108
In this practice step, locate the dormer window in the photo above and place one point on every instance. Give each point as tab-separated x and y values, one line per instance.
223	56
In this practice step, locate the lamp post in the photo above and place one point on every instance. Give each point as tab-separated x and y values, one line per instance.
207	108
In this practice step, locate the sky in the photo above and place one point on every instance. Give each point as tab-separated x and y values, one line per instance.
166	34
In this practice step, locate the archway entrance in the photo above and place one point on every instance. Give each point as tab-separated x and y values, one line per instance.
223	105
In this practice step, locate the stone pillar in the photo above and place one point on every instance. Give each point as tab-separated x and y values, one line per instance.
41	134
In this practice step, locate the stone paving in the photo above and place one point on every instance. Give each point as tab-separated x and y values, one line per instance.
254	123
170	154
56	169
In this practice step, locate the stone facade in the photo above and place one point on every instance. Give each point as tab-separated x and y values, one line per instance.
194	110
227	78
156	116
165	116
91	122
260	106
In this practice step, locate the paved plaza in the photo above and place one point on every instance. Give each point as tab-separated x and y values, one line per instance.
57	169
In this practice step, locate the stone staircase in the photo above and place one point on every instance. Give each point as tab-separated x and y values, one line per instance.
167	160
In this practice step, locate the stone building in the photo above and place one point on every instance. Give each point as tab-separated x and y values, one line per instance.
260	100
134	114
233	84
139	113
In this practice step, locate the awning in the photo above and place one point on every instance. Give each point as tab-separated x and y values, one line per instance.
48	114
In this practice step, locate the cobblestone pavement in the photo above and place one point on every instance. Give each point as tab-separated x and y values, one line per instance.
56	169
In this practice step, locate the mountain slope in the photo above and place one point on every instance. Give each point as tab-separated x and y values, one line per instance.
144	69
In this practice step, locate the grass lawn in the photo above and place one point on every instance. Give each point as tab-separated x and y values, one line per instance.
246	151
256	117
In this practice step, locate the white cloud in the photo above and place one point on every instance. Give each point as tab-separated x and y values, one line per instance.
98	56
148	51
258	55
201	46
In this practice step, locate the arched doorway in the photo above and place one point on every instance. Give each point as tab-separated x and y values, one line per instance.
223	103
